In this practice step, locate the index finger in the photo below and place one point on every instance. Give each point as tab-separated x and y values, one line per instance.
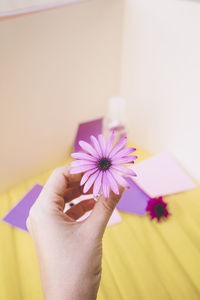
64	185
60	180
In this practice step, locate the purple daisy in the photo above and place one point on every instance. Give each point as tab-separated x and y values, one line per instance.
157	208
102	163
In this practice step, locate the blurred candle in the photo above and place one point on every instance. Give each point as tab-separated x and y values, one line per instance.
116	117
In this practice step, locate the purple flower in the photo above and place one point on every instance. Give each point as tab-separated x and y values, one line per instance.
102	163
157	208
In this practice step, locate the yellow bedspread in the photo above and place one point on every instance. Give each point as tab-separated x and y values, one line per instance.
142	259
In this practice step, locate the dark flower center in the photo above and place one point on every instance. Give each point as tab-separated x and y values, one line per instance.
159	210
104	164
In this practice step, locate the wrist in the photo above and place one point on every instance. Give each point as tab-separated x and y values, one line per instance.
74	290
69	294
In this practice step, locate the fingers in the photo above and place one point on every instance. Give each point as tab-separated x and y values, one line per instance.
72	193
103	211
73	179
60	188
57	182
60	179
77	211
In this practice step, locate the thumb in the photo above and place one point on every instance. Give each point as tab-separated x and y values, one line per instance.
102	212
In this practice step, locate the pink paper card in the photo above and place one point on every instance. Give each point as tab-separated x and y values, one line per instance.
161	175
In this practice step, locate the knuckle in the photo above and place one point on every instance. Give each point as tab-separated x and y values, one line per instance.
108	205
60	170
56	171
97	272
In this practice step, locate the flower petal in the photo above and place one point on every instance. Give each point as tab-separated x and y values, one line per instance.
112	182
119	145
124	170
110	143
102	143
81	169
80	162
125	152
88	148
97	184
87	175
82	155
120	180
90	182
105	186
96	145
124	160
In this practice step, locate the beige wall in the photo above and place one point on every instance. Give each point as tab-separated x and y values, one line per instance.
57	68
161	76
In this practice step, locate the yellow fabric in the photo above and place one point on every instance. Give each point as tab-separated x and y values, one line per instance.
142	259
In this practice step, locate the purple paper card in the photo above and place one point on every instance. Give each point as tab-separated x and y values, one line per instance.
133	200
18	214
85	130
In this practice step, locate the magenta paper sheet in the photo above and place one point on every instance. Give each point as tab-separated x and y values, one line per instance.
85	130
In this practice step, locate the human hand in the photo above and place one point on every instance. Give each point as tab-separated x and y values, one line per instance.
69	252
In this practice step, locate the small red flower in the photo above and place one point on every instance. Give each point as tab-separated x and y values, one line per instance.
157	208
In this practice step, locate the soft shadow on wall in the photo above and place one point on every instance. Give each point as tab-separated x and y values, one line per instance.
57	68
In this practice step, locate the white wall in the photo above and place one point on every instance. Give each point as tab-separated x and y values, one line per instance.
160	76
57	68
